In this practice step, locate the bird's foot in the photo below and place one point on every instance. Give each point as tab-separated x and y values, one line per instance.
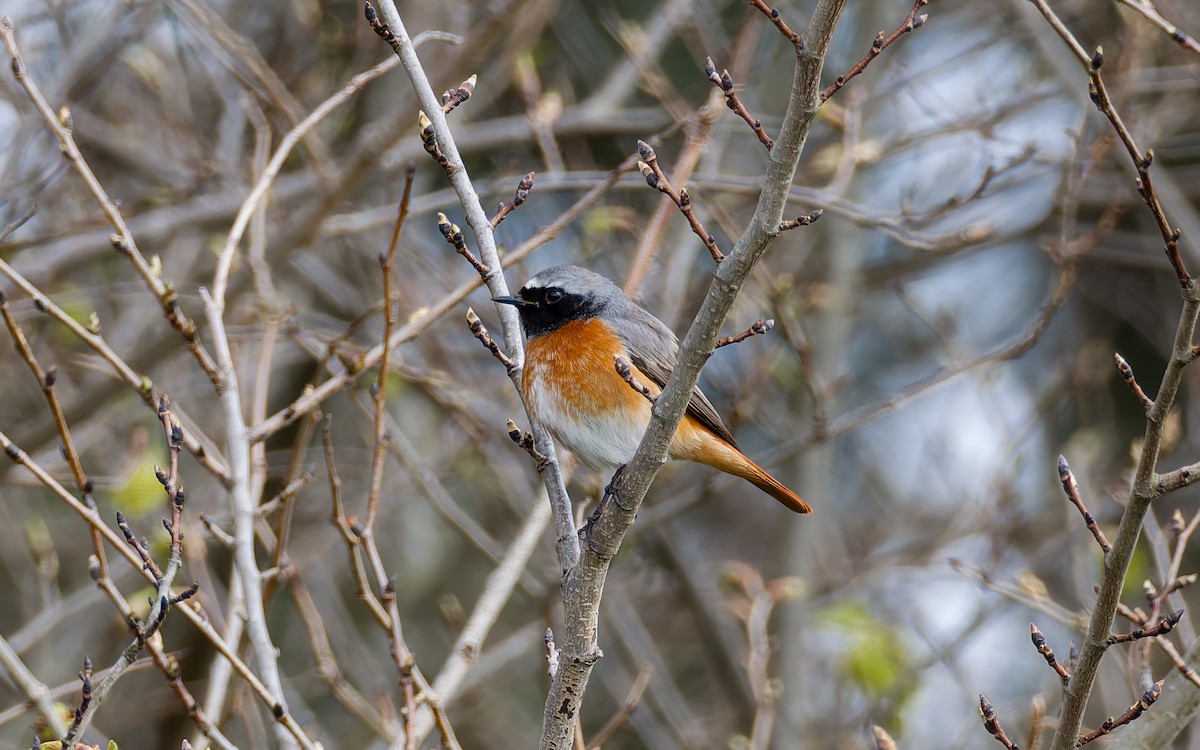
610	494
611	491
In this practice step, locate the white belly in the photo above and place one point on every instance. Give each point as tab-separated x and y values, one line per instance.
604	441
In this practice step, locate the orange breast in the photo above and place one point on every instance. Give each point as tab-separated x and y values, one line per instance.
576	362
572	387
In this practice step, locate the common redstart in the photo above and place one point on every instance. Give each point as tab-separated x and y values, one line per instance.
575	322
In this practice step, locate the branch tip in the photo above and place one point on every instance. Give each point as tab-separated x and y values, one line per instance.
626	372
992	724
878	45
480	332
802	220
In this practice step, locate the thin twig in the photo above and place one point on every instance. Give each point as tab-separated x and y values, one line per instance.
992	724
881	42
13	226
524	185
429	140
1039	643
389	323
802	220
1151	14
1137	709
757	328
480	332
455	237
1162	627
724	82
655	177
524	440
1071	487
451	98
1127	375
626	372
651	242
776	19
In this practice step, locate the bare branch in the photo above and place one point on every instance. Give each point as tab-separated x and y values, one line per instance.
626	373
1137	709
725	83
1039	642
568	543
451	98
776	19
992	724
1071	487
1162	627
1127	375
1146	485
655	178
523	188
583	585
455	237
1142	160
1151	14
913	21
757	328
480	332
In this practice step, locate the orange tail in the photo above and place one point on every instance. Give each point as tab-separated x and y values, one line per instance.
772	486
711	450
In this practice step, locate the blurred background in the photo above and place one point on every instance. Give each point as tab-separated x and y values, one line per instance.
943	334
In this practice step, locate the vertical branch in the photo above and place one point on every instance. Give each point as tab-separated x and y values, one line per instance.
46	379
584	584
259	191
238	448
389	322
1147	484
481	226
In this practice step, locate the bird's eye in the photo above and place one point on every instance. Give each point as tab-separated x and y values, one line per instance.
553	295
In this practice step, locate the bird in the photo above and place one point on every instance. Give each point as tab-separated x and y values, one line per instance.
575	323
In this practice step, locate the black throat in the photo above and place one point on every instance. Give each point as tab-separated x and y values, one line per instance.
548	309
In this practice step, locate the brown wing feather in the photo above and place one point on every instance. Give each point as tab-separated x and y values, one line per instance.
654	349
699	407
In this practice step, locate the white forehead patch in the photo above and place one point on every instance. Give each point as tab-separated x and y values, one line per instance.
546	279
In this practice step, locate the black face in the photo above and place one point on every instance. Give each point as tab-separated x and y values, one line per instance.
544	309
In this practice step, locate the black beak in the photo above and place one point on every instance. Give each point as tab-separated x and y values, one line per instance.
517	301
